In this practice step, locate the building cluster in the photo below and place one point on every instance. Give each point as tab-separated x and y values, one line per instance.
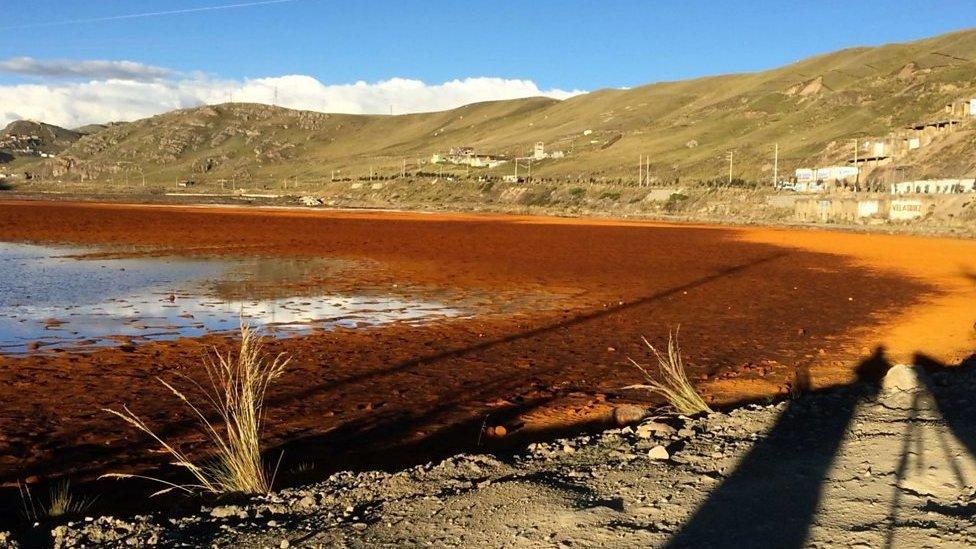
465	156
26	145
814	179
882	151
539	152
875	152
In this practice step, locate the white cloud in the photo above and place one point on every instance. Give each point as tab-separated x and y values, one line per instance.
73	104
94	68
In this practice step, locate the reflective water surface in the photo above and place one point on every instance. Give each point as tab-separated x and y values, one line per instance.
55	296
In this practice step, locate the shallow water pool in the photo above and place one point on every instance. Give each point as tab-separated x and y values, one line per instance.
66	297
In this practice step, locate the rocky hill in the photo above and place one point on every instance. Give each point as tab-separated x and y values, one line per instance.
812	109
30	138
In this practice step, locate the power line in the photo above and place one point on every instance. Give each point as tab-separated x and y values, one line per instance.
147	14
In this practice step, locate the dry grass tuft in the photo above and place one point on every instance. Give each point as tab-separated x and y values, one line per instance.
238	385
61	503
674	387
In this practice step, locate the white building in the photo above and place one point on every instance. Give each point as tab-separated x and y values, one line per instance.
805	175
539	152
935	186
836	173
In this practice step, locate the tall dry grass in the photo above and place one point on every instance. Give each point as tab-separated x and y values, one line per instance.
238	385
674	386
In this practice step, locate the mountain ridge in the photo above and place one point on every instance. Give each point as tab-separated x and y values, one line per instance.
810	108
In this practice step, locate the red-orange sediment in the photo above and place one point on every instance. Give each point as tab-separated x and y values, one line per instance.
754	305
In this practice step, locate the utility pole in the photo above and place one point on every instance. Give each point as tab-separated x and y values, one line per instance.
640	170
857	176
776	165
730	167
516	169
403	169
647	170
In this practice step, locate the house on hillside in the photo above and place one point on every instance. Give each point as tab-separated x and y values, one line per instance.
963	108
539	152
925	132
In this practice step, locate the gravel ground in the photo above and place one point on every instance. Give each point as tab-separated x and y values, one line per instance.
887	464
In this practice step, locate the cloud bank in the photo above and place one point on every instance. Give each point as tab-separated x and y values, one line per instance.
65	68
122	90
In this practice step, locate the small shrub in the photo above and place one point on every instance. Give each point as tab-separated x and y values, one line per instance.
674	387
577	192
610	196
674	201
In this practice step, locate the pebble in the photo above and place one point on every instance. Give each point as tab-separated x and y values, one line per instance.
224	511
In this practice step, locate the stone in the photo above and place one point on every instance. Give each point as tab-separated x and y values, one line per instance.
626	414
658	453
904	378
650	428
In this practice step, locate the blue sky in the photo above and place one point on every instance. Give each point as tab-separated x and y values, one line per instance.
565	44
558	45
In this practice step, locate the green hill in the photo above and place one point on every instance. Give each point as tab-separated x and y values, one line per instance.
811	109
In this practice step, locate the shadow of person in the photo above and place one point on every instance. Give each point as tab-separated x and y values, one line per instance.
952	396
771	498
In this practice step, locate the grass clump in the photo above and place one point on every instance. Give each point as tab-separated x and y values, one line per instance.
238	384
674	387
61	502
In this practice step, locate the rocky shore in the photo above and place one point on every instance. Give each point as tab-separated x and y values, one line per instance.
888	463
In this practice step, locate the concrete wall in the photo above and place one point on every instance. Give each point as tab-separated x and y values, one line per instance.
861	209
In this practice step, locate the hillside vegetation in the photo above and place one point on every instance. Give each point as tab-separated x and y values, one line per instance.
811	109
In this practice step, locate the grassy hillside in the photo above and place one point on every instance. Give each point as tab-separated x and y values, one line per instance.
811	109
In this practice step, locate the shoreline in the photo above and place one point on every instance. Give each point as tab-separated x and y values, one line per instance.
487	210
